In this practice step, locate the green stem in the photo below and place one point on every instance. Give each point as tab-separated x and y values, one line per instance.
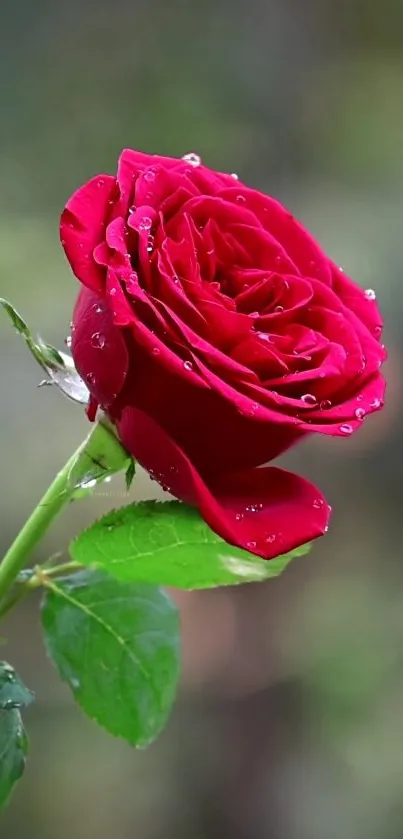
100	455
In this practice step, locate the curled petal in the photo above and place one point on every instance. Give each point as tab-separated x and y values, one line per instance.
265	511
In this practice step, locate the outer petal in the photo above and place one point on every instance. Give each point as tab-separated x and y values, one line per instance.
82	227
98	348
265	511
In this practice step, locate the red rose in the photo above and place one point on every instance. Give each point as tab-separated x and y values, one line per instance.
215	333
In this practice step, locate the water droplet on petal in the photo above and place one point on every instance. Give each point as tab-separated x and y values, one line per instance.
376	403
100	182
192	158
145	223
68	341
156	351
360	413
346	428
279	309
235	176
326	530
90	378
176	279
309	399
239	516
318	503
325	403
112	292
188	365
265	336
271	538
98	309
370	294
149	175
98	340
240	199
251	546
254	508
254	314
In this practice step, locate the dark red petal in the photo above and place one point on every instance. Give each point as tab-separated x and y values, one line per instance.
98	348
82	228
265	511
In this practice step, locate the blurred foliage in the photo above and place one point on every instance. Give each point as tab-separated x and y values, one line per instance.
290	718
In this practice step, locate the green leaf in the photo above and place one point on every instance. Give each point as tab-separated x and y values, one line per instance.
169	544
13	693
117	647
58	366
13	752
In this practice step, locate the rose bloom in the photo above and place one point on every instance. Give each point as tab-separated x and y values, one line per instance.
215	333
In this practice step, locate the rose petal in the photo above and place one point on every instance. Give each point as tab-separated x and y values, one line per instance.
98	348
82	228
265	511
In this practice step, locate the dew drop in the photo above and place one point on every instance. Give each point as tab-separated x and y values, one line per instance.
98	340
193	159
188	365
318	503
254	508
254	314
68	342
309	399
176	279
240	199
360	413
149	175
90	378
279	309
370	294
235	176
325	404
251	545
98	309
145	223
112	292
346	428
100	182
326	530
88	484
264	336
156	351
271	538
75	684
239	516
360	398
376	403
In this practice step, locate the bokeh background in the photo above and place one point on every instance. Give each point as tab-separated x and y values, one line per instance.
290	719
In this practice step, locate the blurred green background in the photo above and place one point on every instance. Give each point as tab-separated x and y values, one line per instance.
290	719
